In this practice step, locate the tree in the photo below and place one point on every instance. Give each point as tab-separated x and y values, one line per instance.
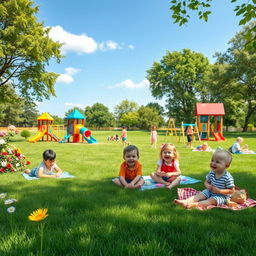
149	116
25	50
180	78
98	115
58	120
125	106
238	76
180	13
11	107
29	115
130	119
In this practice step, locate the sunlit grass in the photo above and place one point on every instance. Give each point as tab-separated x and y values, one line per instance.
91	216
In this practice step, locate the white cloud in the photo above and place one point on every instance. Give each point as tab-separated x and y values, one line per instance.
131	85
131	46
69	104
109	45
73	43
67	78
81	44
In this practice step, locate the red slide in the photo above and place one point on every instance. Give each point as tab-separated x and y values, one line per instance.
218	136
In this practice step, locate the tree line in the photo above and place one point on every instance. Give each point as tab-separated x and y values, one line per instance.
183	77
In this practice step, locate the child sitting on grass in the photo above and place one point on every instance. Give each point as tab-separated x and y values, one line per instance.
219	184
168	170
236	148
47	167
130	174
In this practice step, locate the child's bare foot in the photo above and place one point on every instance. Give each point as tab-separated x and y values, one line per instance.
27	171
191	205
183	203
168	186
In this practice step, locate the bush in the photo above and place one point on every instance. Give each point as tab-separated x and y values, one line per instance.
25	134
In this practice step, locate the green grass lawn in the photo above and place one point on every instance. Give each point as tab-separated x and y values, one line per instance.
88	215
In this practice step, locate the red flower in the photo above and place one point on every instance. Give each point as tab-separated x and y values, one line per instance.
27	163
2	170
17	154
9	166
4	153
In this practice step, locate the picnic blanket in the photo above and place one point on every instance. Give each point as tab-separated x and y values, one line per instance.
151	184
62	176
184	193
245	153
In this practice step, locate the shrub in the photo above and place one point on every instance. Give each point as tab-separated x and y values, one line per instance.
25	134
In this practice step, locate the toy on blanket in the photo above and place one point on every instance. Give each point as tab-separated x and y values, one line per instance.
238	197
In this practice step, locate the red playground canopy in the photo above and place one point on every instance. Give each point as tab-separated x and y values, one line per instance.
210	109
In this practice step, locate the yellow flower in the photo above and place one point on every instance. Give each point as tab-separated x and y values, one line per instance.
38	215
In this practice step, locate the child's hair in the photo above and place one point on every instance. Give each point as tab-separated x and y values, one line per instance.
239	138
172	147
129	149
226	154
49	155
153	127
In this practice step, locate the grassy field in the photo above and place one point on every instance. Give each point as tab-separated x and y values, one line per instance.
88	215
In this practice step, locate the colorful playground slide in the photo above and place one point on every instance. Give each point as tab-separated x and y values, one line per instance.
89	138
65	138
39	134
218	136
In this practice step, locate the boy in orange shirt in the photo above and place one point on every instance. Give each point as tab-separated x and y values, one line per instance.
130	174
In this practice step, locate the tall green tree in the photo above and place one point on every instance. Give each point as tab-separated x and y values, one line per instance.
98	115
25	51
239	76
29	115
125	106
130	119
179	77
149	116
247	9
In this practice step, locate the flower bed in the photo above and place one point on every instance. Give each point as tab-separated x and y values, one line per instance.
11	159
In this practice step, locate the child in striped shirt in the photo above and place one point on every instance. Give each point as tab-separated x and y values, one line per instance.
219	183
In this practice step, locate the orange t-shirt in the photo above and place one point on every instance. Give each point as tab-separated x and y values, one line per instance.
128	173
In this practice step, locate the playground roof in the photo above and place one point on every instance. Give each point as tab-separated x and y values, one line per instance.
75	115
45	116
210	109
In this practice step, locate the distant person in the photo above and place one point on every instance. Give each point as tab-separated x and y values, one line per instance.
153	137
48	168
168	170
130	174
237	147
124	136
204	147
189	133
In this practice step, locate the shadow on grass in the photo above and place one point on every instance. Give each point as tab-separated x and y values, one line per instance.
89	217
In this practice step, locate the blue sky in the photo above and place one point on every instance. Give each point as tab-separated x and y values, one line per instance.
110	45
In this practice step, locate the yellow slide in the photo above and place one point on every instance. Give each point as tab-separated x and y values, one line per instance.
39	134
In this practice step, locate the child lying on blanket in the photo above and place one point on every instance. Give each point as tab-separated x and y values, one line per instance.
204	147
47	167
219	183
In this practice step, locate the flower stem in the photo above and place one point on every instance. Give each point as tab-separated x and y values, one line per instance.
42	236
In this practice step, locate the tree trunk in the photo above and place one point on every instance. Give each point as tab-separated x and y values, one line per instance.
250	110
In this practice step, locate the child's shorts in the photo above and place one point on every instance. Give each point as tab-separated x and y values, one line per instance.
221	199
33	172
170	179
124	139
129	180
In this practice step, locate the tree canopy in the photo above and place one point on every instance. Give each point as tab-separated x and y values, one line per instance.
179	77
247	9
25	51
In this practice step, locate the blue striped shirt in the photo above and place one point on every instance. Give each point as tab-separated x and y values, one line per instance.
224	182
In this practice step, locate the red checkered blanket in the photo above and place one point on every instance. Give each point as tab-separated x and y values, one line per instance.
184	193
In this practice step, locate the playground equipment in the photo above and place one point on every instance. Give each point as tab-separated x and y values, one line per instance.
209	117
44	132
180	132
76	129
